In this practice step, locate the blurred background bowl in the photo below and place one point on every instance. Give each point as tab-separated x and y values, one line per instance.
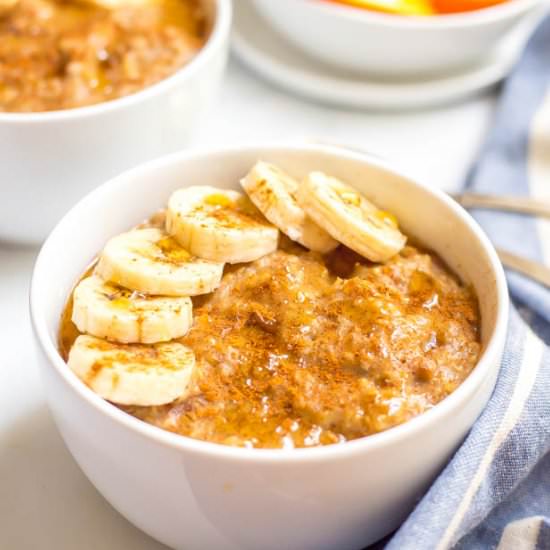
50	160
392	45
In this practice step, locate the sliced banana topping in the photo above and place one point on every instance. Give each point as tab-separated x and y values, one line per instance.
219	225
273	192
131	374
113	312
350	218
149	261
137	301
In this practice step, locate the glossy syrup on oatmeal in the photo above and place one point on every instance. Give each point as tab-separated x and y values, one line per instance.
61	54
298	350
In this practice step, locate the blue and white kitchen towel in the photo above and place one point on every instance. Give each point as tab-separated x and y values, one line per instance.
495	492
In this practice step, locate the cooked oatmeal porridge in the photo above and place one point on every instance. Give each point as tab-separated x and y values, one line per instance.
299	348
57	54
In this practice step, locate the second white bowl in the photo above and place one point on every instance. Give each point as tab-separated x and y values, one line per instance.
50	160
391	45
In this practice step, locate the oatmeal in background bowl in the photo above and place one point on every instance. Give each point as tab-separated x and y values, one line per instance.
57	54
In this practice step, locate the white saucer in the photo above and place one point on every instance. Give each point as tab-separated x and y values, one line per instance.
266	52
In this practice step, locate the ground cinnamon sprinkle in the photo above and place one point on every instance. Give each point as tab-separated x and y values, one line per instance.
60	54
298	350
229	214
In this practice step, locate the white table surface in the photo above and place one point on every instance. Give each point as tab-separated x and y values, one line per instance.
46	503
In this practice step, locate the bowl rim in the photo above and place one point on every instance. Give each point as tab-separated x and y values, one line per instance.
470	386
474	18
218	35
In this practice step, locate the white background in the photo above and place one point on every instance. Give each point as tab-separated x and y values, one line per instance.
45	501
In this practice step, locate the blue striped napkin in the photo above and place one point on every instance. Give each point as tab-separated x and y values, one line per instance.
495	492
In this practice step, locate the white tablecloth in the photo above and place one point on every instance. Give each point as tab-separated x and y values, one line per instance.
46	503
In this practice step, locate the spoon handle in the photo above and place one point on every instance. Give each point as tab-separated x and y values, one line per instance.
530	268
523	205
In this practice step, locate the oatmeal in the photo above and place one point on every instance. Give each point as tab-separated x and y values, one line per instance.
290	345
297	349
57	54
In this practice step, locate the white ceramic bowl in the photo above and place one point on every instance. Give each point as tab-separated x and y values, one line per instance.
390	45
194	495
50	160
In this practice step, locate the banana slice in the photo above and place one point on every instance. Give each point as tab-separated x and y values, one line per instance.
219	224
273	192
149	261
129	374
350	218
109	311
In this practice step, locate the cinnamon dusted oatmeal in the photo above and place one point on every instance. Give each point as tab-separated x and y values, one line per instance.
297	349
61	54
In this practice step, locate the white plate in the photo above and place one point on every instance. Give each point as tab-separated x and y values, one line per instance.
266	52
